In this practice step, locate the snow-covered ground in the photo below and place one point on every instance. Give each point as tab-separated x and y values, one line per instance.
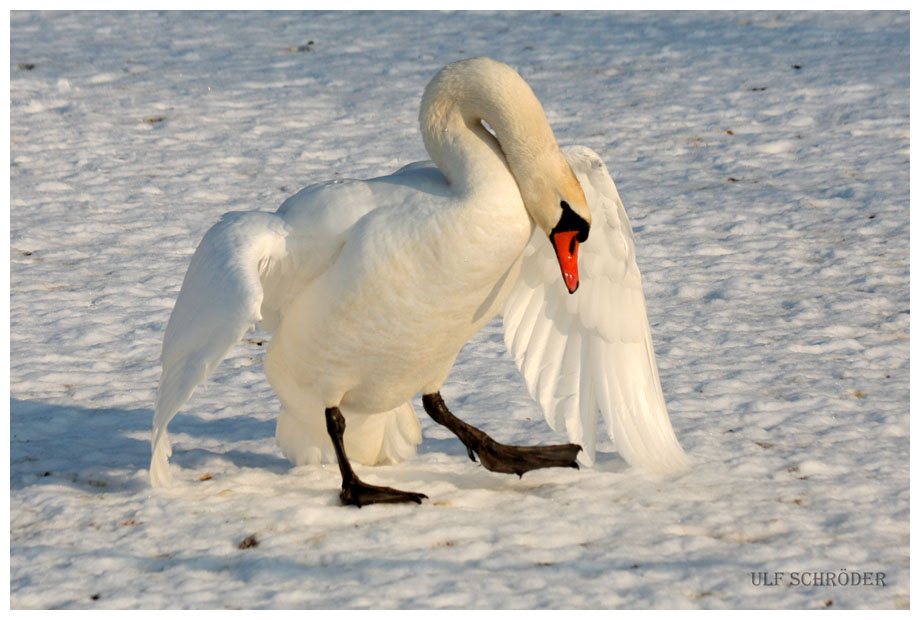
763	158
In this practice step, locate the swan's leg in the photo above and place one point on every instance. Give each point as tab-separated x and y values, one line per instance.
353	490
493	455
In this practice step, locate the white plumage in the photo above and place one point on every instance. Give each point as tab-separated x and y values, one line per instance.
372	287
592	351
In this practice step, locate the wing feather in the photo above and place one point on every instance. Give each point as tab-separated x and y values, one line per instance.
539	337
221	298
529	319
545	386
587	413
592	351
246	270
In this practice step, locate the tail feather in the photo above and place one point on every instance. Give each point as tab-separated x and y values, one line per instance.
382	438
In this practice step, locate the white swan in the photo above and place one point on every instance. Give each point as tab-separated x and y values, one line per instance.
372	288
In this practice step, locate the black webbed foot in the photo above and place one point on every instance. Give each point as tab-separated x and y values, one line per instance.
496	456
358	493
519	460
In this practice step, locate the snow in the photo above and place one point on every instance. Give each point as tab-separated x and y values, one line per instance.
764	161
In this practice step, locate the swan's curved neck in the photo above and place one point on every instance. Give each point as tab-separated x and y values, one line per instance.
455	104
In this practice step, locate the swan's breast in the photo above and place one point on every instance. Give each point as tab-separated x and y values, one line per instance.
415	279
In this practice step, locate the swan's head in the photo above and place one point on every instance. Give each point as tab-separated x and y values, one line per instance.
556	202
467	93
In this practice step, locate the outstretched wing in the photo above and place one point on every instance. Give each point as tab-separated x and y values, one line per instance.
592	350
233	273
246	269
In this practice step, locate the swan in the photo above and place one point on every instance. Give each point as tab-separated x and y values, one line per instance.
372	287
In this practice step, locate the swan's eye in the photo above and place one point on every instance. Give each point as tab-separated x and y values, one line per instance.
564	205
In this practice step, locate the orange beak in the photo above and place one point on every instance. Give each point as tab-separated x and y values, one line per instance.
566	245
